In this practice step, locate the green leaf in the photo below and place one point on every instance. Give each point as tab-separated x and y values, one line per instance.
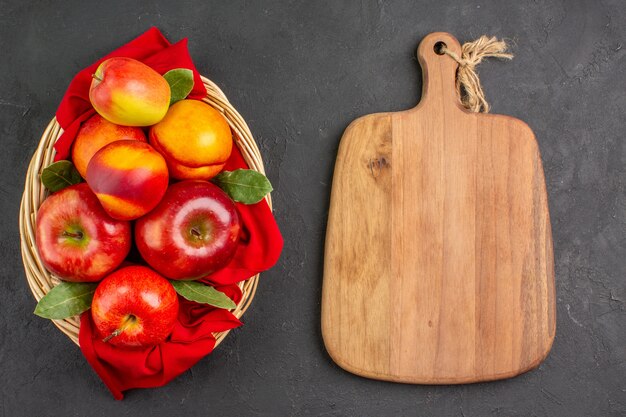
181	83
66	300
203	294
59	175
244	185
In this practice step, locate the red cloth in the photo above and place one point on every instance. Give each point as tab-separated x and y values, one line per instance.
260	246
192	339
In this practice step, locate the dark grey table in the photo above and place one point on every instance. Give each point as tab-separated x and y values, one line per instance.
299	72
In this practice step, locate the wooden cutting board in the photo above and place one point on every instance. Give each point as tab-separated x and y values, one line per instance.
438	263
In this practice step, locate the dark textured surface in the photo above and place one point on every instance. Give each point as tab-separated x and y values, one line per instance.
299	72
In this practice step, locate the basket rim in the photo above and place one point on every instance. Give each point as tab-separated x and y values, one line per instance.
40	280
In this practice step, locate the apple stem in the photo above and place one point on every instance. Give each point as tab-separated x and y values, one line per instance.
129	319
95	77
115	333
196	233
75	235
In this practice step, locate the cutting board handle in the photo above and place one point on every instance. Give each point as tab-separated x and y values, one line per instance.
439	71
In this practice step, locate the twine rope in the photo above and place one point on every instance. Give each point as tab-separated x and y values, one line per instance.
467	81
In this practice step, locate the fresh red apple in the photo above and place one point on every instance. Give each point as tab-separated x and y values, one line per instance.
76	239
128	92
193	231
134	306
95	133
129	178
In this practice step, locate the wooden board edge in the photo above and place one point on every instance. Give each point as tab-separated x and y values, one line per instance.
346	366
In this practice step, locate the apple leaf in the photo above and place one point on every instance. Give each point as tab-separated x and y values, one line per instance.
181	83
244	185
59	175
203	294
66	300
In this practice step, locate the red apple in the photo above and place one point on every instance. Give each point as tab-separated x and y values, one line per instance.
76	239
134	306
191	233
128	92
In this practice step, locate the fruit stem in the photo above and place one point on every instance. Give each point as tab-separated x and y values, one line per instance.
115	333
128	320
75	235
196	233
95	77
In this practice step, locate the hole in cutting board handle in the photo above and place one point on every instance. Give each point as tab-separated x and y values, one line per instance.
439	47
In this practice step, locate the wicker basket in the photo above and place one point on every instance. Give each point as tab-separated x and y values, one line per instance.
41	281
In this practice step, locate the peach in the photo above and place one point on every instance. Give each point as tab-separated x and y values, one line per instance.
180	171
129	178
128	92
194	138
97	132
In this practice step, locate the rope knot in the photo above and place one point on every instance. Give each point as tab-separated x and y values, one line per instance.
467	81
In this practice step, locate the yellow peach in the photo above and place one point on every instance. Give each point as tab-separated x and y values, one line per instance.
194	138
95	133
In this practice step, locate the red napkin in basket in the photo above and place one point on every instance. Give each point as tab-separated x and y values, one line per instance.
259	248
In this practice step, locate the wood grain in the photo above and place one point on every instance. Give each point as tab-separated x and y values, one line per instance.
438	263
